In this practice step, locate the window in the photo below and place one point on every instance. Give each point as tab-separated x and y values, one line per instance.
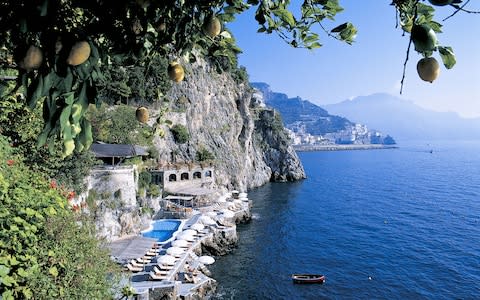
172	177
197	175
184	176
157	178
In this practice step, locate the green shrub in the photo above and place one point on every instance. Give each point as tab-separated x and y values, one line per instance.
180	133
154	190
91	198
204	155
44	252
144	179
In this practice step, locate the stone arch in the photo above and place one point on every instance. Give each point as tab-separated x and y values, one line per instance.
184	176
172	177
208	173
197	175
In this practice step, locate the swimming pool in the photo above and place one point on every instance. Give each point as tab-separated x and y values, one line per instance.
162	230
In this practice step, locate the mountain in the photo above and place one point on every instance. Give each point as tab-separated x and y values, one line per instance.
305	118
406	120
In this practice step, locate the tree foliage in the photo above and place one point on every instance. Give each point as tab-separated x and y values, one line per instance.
44	252
180	133
117	124
117	30
22	127
136	33
126	79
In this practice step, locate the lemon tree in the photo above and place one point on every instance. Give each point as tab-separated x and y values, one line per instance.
60	47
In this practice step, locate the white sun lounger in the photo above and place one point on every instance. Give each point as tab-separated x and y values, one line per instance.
160	272
157	277
134	268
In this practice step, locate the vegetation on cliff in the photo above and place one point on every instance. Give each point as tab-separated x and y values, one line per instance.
44	252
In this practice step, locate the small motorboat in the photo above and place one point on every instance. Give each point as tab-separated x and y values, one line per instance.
308	278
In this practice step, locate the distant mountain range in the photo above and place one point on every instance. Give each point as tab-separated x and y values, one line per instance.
305	118
405	120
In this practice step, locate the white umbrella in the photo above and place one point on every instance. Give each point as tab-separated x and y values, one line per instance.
189	232
242	195
228	213
198	226
238	202
243	199
175	251
211	214
206	220
186	237
206	260
180	243
167	260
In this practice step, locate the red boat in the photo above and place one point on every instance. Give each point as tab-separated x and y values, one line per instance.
308	278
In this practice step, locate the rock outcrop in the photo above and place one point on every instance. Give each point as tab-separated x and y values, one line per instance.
227	119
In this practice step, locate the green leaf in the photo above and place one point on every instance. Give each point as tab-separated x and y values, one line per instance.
448	57
7	280
4	270
37	87
53	271
285	15
314	45
7	295
340	27
22	273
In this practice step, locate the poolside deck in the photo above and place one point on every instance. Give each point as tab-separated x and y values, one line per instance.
175	279
141	280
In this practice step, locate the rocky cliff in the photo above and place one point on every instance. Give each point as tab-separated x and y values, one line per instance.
227	119
247	143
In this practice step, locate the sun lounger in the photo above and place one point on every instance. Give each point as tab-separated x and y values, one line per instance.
133	268
160	272
164	267
145	259
135	263
152	252
188	278
157	277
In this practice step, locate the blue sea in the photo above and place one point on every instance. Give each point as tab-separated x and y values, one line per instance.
380	224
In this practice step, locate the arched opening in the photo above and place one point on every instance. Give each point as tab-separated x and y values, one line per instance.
172	177
208	174
184	176
197	175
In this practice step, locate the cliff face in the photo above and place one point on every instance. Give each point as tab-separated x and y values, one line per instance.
228	120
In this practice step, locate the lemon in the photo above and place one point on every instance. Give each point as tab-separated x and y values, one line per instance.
79	53
176	72
32	60
142	114
212	26
428	69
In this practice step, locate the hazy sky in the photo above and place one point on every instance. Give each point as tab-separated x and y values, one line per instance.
374	63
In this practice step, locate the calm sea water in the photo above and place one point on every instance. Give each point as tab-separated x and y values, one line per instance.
380	224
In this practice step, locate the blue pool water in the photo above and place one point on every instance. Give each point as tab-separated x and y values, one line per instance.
380	224
163	230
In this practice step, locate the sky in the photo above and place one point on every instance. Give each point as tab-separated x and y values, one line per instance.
373	64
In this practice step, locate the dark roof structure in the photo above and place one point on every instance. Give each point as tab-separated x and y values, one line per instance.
132	247
117	150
